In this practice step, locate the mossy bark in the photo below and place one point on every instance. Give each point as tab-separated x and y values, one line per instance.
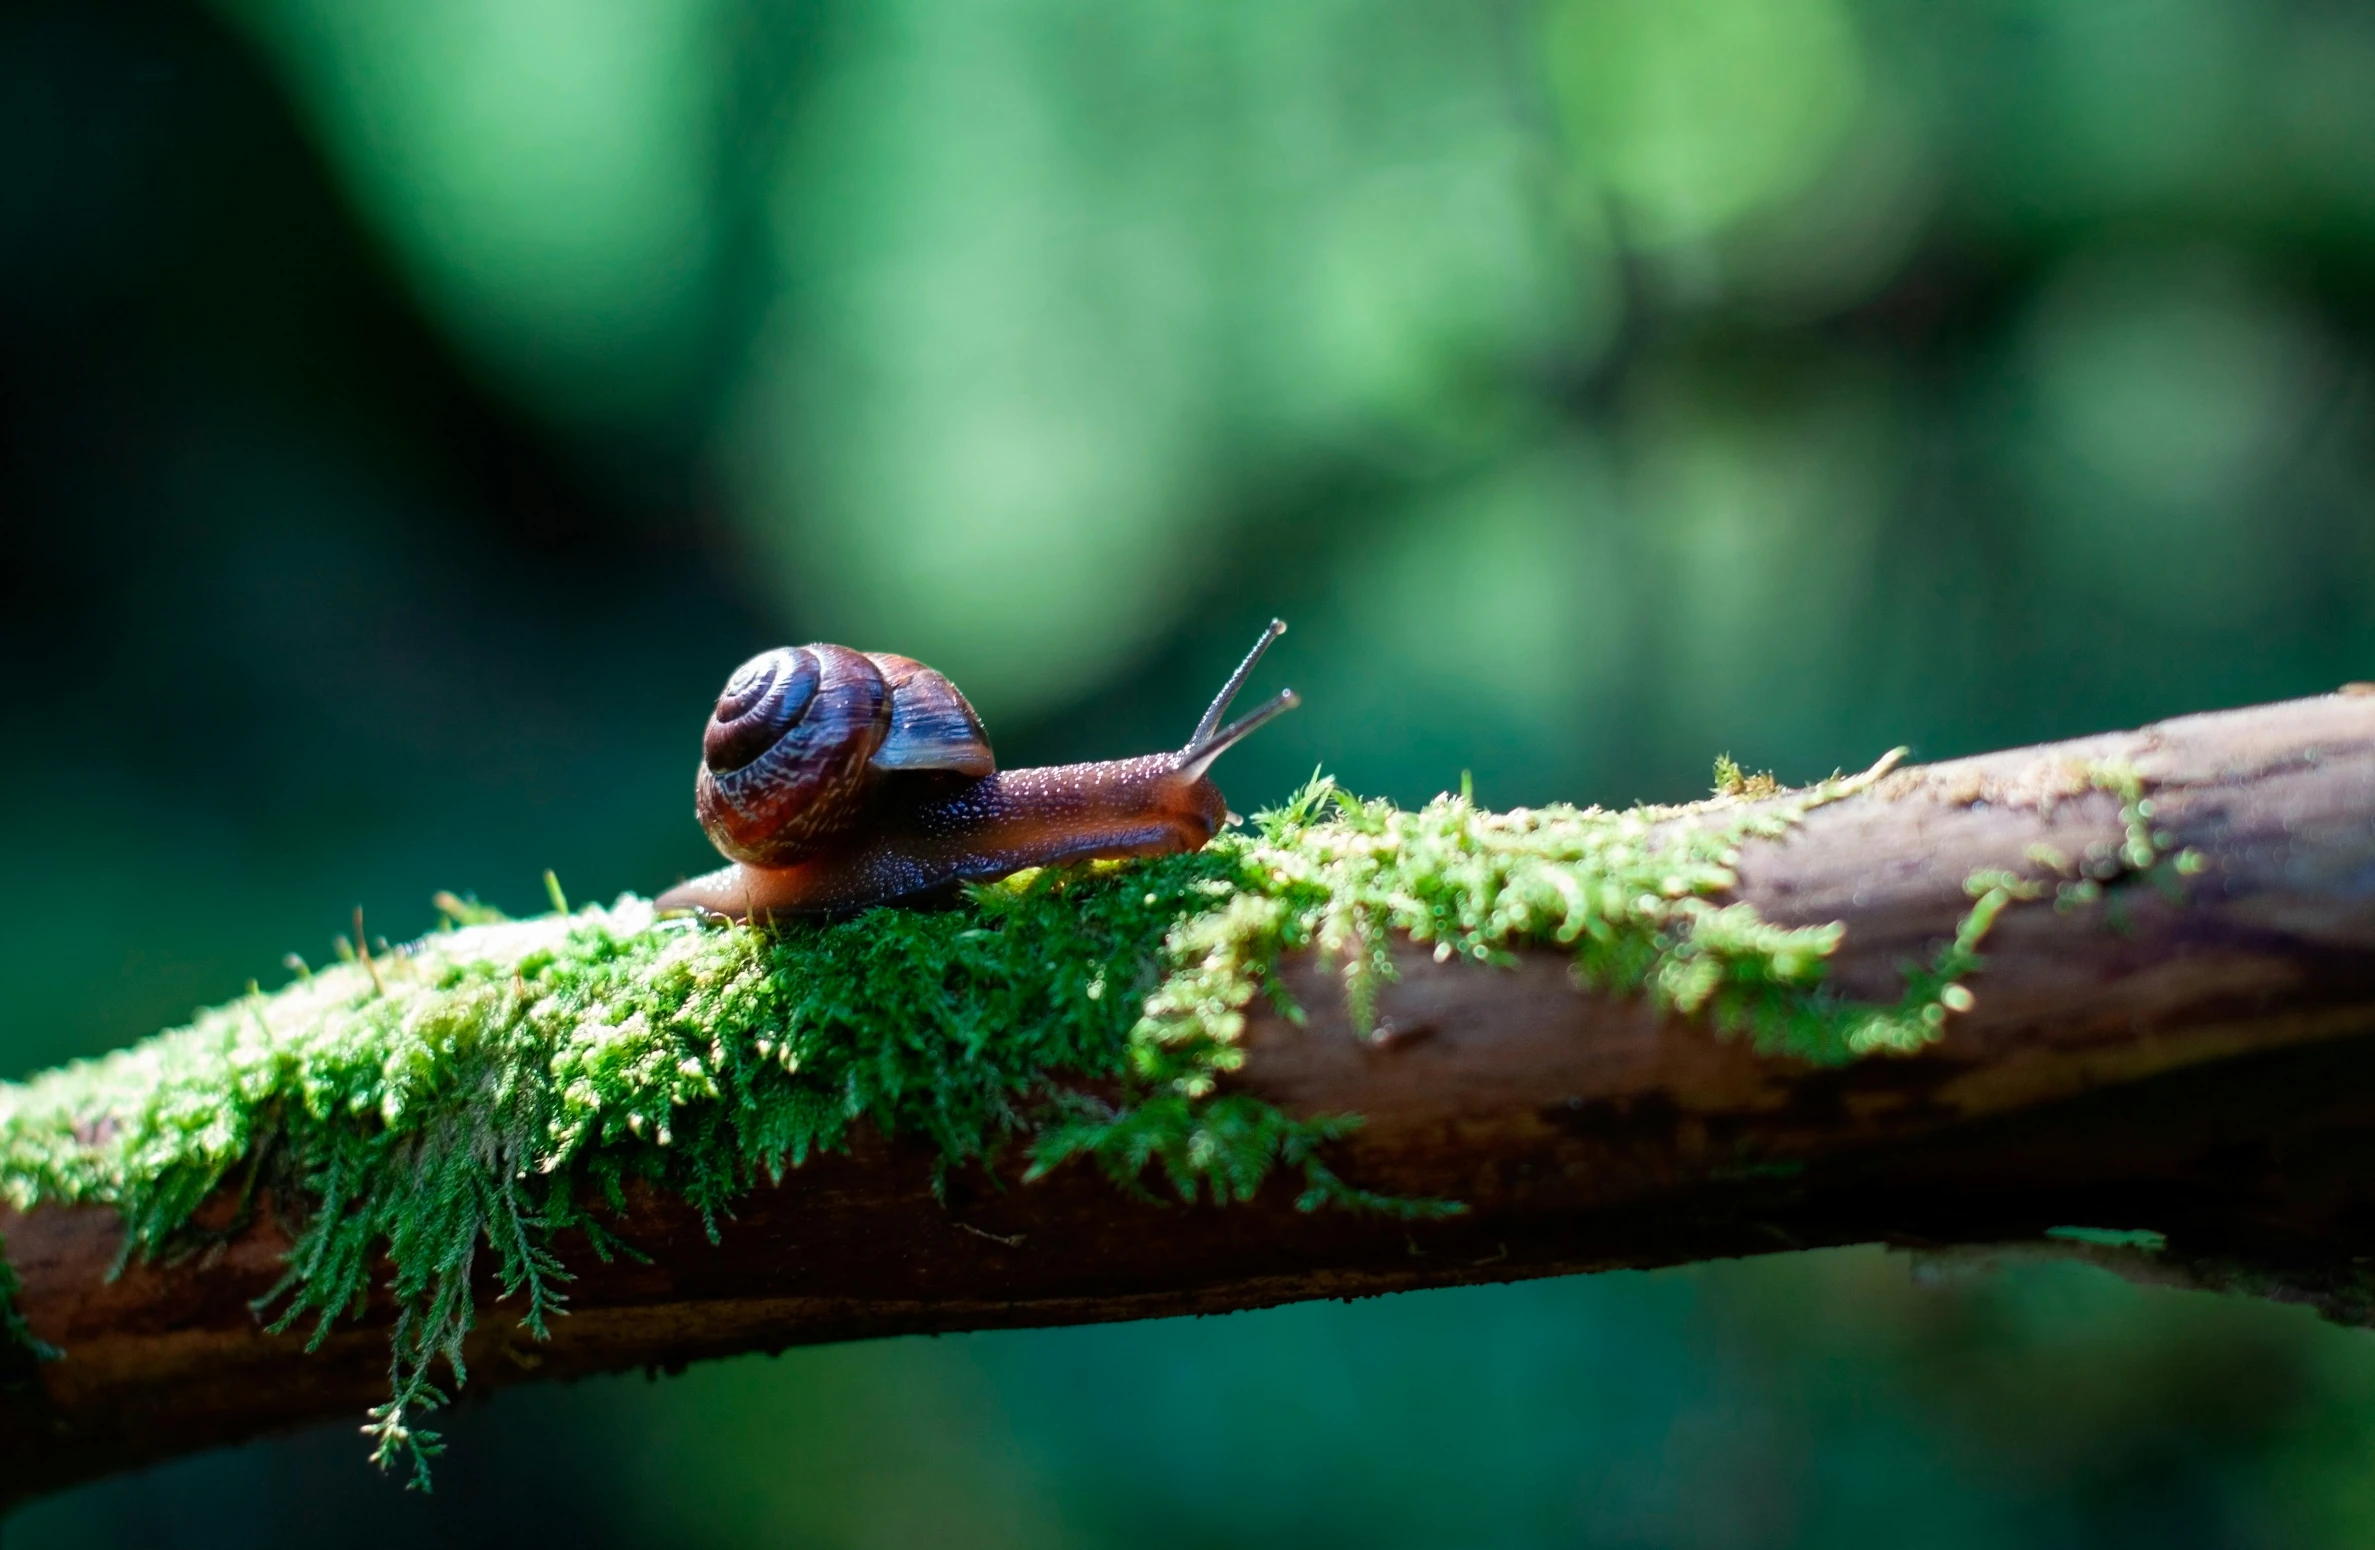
2123	983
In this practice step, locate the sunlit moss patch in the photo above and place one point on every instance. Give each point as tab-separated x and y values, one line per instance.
499	1082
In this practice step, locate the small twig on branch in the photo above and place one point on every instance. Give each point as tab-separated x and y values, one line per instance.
2163	1039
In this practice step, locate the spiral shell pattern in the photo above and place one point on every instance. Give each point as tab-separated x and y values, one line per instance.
785	755
800	733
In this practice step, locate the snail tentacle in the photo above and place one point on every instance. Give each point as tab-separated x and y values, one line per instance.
1228	691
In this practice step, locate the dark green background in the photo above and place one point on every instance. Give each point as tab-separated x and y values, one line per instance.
410	409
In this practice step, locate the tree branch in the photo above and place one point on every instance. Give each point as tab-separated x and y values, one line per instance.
2188	1054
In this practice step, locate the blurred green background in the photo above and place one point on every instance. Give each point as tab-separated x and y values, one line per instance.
411	409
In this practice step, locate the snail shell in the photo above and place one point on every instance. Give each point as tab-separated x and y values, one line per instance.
801	734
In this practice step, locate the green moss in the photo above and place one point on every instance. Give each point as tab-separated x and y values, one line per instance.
471	1097
2142	1238
1733	781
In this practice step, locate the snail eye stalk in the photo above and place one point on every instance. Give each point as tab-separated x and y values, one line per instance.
1199	756
1205	736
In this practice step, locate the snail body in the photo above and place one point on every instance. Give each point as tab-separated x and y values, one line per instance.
833	780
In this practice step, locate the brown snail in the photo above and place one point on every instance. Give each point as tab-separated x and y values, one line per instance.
833	779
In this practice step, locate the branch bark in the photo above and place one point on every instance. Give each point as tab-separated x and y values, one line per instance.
2199	1062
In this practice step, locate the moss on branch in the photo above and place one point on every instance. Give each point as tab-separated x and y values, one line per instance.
463	1101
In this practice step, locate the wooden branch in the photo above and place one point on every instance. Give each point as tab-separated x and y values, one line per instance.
2200	1065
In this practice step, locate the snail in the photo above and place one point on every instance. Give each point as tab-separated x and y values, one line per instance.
834	779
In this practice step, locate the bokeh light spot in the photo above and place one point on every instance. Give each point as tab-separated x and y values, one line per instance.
1695	112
